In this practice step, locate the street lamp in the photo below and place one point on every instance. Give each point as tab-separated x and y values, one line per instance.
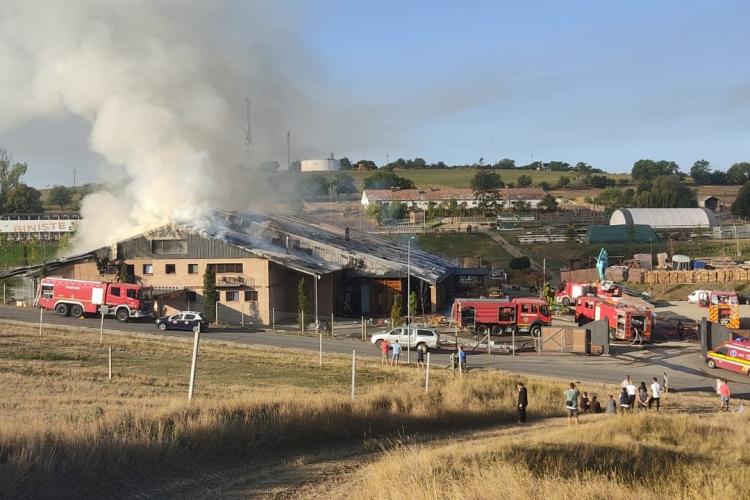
408	299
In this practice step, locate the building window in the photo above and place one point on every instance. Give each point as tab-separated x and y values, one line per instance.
169	269
228	268
233	296
192	268
251	295
170	247
148	269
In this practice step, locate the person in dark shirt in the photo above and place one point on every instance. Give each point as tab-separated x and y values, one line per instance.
585	404
523	401
596	406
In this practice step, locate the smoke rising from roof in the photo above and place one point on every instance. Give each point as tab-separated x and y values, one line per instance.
163	87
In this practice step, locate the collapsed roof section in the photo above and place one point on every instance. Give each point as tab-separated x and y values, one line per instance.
315	247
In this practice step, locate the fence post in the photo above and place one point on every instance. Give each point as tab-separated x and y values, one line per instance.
332	335
362	328
320	350
427	374
460	365
41	320
354	372
302	325
196	340
489	354
513	342
4	299
217	313
242	314
273	320
110	363
101	325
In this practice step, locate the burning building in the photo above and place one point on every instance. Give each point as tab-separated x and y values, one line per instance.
260	259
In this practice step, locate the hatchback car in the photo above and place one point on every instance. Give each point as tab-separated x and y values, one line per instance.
185	320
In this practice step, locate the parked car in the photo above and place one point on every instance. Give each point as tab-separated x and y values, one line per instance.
697	295
184	320
422	338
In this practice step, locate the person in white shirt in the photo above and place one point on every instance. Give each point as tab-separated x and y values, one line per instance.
655	394
631	389
625	382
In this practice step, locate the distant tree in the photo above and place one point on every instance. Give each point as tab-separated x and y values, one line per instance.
505	164
210	294
520	205
387	180
558	166
373	210
396	211
741	205
614	198
10	173
413	304
295	166
345	184
667	191
60	196
582	170
645	171
22	199
312	185
544	185
548	203
520	263
701	172
524	181
486	185
623	181
563	182
739	173
719	178
366	165
345	163
396	308
302	316
599	181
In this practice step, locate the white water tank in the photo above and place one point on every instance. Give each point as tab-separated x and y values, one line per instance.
327	165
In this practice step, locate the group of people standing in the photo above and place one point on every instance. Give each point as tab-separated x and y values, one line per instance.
395	356
641	397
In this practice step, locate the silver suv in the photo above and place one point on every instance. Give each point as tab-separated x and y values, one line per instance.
421	338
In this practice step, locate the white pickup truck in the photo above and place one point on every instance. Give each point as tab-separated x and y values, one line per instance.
421	338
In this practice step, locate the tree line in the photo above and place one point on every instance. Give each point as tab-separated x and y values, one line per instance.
504	164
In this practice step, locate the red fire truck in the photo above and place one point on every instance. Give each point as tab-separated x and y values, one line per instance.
626	322
77	297
568	292
498	316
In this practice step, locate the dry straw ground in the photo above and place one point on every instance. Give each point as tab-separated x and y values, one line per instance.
66	431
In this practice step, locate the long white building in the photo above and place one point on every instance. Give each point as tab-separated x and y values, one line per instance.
421	198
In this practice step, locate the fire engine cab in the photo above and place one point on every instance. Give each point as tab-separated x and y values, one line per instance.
626	322
568	293
723	308
734	356
498	316
77	297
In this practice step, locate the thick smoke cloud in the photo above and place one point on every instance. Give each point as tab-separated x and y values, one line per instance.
163	87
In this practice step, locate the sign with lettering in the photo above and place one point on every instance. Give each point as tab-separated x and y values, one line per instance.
38	226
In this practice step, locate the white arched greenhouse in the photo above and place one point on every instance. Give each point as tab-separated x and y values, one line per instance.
665	218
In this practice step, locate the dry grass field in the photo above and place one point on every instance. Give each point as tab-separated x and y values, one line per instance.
275	424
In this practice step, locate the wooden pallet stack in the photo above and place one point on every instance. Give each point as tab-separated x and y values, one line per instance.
726	275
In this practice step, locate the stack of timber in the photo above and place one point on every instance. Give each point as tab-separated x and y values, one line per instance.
580	276
726	275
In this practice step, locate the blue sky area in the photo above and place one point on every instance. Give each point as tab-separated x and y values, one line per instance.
603	82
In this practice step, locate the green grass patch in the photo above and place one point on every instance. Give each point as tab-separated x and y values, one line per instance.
453	245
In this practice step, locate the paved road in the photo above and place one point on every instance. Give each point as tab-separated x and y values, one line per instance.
681	361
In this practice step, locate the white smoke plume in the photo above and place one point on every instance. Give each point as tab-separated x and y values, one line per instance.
163	87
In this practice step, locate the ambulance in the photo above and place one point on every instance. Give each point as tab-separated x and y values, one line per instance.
734	356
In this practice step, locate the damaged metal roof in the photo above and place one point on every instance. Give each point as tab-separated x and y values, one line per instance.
315	247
